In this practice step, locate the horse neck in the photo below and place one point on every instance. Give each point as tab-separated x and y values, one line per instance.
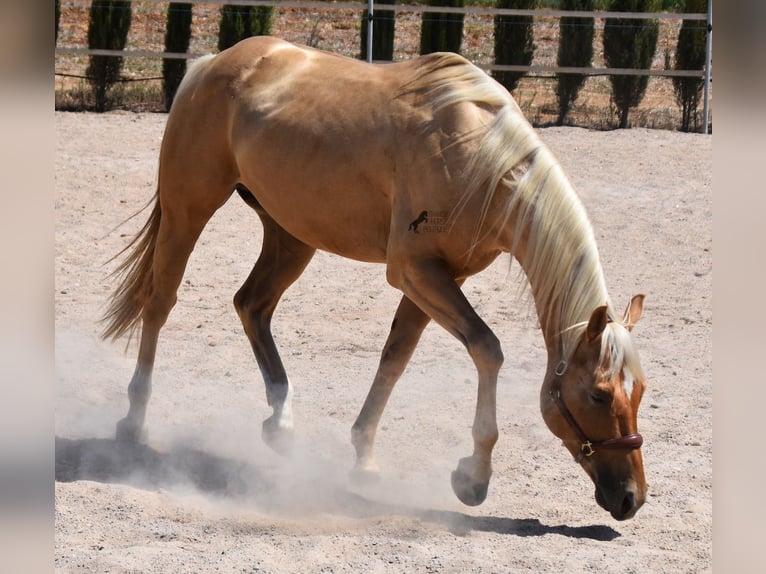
541	219
554	243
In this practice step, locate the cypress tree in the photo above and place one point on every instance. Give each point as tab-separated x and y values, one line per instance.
514	41
575	50
261	19
441	31
690	55
630	44
57	16
383	24
240	22
107	30
177	37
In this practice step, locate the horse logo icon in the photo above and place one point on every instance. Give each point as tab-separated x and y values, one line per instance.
423	217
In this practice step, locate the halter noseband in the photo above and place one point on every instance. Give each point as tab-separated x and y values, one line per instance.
588	447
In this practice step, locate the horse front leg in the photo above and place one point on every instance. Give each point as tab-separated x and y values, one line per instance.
430	285
470	481
406	329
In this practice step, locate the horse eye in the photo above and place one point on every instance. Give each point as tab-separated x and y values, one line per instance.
600	398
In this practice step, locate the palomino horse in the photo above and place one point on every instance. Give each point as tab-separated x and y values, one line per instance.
360	160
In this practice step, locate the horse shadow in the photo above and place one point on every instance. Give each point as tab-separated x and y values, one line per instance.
113	461
139	465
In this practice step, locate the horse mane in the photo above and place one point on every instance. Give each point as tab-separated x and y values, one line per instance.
618	353
561	259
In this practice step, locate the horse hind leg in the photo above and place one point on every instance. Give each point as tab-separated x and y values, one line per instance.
282	260
149	291
174	243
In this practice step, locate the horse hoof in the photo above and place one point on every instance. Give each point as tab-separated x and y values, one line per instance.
129	432
279	439
364	476
469	492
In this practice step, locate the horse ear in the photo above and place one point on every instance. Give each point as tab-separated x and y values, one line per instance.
597	323
633	311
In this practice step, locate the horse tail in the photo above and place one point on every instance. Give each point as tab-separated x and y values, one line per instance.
135	273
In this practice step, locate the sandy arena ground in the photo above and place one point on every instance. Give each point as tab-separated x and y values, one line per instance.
206	495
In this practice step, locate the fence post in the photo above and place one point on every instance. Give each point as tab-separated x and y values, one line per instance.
369	30
708	61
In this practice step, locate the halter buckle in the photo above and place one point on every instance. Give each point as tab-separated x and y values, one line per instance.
587	448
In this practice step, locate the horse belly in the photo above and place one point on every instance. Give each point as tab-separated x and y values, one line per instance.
328	198
331	223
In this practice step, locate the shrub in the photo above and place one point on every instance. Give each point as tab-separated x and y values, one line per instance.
575	50
57	16
177	36
441	31
630	44
690	55
240	22
514	41
107	30
383	24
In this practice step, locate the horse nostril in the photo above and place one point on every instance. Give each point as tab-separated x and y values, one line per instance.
628	503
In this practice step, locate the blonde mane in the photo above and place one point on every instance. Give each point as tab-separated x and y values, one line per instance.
618	353
561	259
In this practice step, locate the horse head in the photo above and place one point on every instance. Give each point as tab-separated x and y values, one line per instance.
590	402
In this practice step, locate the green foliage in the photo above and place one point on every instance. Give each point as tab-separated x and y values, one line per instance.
383	23
514	41
107	30
630	44
575	50
666	5
240	22
441	31
690	55
177	37
674	6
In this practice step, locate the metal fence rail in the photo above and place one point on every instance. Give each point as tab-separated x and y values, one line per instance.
467	10
371	7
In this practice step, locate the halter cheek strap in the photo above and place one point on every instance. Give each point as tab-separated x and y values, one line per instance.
588	447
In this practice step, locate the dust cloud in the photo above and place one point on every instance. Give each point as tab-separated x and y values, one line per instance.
223	460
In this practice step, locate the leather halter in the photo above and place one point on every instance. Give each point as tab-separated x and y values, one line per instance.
588	447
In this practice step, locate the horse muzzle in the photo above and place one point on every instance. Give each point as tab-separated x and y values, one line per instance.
621	503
